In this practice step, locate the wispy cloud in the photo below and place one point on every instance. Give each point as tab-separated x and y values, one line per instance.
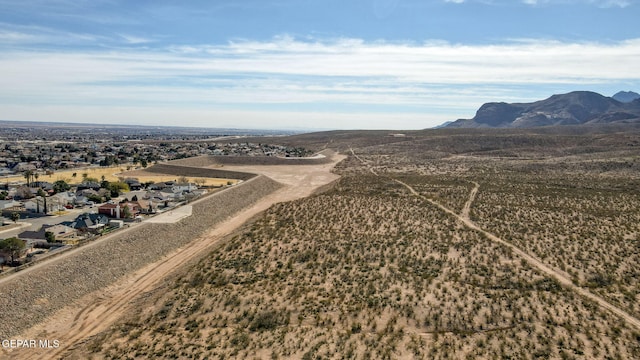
432	80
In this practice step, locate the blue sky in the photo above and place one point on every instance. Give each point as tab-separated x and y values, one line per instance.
306	64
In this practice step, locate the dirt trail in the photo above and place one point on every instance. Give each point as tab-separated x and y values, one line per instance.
363	161
472	196
95	312
561	278
534	261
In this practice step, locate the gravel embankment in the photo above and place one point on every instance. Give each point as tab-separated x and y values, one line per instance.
29	299
208	160
180	170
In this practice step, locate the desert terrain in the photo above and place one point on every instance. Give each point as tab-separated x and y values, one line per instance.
439	244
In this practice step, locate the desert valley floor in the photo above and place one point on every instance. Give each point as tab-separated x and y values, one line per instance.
435	244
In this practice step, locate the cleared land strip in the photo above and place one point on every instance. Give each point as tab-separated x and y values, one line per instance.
180	170
97	310
533	261
36	293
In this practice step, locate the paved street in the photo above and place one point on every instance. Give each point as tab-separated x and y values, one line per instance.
36	223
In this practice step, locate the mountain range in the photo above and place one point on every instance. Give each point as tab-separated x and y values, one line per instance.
574	108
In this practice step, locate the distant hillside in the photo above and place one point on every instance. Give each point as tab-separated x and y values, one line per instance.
626	96
574	108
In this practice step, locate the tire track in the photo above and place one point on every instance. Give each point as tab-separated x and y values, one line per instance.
631	320
562	279
472	196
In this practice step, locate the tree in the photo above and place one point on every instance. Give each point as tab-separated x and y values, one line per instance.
126	212
27	175
15	216
51	237
24	192
117	187
3	195
13	246
61	186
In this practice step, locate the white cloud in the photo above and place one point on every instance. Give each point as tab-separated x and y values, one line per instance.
341	77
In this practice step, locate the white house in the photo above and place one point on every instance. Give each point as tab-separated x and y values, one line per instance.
184	187
5	204
41	205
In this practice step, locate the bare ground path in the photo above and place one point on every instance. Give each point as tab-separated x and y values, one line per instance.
472	196
464	218
535	262
95	312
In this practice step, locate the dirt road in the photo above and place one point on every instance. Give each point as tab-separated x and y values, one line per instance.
530	259
95	312
472	196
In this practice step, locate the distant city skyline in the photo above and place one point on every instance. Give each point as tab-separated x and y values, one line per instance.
285	64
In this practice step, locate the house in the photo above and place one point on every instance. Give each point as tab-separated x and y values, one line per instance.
44	185
157	186
65	197
6	204
169	195
86	193
89	185
61	233
88	222
22	167
40	205
184	187
146	206
125	210
134	184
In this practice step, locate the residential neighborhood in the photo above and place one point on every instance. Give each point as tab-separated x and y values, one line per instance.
44	221
29	150
43	210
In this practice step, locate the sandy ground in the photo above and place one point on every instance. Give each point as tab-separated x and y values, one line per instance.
565	281
560	277
95	312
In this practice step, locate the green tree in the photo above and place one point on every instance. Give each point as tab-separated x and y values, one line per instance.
27	175
126	212
13	246
61	186
15	216
51	237
3	195
118	187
